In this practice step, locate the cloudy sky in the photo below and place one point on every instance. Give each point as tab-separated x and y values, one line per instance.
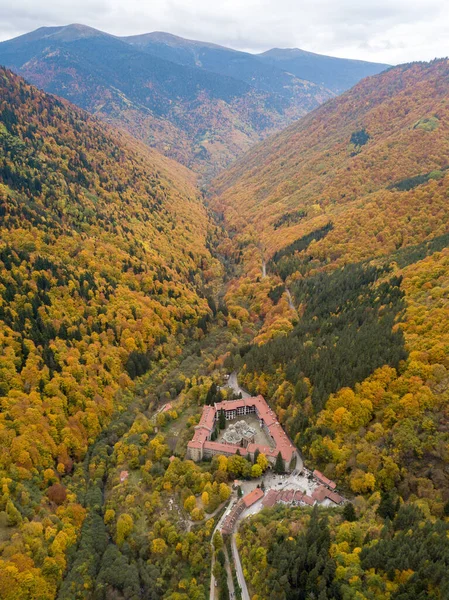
391	31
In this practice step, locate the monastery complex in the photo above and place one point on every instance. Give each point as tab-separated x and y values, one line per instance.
240	436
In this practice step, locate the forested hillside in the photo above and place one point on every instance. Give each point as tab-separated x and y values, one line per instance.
348	209
105	272
366	161
346	212
381	550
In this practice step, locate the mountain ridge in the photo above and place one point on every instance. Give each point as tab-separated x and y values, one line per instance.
339	74
200	118
198	103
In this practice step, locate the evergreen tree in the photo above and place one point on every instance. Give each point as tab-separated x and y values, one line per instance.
388	506
303	569
279	466
212	394
349	512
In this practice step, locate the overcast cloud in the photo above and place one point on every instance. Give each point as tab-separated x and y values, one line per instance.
391	31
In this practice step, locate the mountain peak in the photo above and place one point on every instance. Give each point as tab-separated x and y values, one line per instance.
64	33
78	30
149	83
162	37
284	51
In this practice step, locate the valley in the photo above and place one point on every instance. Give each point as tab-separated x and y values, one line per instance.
145	314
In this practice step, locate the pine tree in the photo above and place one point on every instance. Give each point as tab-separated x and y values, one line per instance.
256	454
387	507
279	466
212	394
349	512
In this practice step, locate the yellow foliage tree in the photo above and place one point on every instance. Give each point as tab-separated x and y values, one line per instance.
125	525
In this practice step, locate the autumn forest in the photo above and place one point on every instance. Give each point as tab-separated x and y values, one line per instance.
315	268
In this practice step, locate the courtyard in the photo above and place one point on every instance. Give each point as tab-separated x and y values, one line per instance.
260	437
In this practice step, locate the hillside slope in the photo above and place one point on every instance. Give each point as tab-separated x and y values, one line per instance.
337	74
201	118
344	163
348	207
104	268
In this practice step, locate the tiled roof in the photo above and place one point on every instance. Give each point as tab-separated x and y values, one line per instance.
335	497
253	497
320	493
308	500
288	496
298	496
207	418
324	479
270	499
226	448
280	438
195	444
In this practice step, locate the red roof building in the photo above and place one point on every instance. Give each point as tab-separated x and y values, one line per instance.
270	499
201	443
307	500
323	479
335	497
219	448
253	497
320	493
296	497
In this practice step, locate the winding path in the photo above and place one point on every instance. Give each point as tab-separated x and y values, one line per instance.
217	527
238	569
234	385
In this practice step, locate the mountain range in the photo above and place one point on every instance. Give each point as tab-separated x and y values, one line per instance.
271	70
199	103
